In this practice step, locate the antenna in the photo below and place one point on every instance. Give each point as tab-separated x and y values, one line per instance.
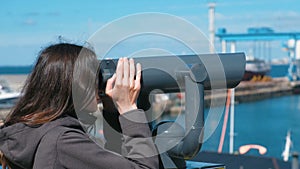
211	26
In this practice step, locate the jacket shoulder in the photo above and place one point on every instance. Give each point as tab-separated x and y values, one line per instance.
47	151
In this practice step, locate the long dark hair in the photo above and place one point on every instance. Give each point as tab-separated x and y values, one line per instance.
61	71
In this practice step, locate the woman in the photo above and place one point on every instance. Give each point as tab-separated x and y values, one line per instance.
43	130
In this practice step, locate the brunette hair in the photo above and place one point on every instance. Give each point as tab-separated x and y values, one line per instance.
61	71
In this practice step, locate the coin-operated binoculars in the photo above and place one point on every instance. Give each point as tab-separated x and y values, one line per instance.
191	74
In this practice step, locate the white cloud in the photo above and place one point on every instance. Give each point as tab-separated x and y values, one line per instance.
285	14
220	16
29	22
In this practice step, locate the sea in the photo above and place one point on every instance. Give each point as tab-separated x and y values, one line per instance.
264	122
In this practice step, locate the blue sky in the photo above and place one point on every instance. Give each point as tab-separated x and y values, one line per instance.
28	26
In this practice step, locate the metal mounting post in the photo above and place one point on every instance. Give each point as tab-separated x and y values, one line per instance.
189	140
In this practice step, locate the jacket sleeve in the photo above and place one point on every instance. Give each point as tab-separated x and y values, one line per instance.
76	150
112	130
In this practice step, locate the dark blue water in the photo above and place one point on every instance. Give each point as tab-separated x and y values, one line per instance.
15	70
279	70
265	123
276	70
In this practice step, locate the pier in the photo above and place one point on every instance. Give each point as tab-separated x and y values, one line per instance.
249	91
254	91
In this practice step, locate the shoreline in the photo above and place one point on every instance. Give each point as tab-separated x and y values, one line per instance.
248	91
15	82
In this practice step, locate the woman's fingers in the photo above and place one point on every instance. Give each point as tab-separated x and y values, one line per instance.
131	73
110	84
119	72
125	72
138	76
123	87
137	83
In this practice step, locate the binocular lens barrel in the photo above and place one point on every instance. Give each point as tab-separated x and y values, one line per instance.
215	71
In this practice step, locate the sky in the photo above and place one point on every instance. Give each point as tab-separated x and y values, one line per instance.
29	26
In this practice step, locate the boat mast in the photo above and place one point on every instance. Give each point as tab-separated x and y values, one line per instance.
231	133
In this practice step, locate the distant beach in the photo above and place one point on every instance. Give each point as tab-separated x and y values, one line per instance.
15	82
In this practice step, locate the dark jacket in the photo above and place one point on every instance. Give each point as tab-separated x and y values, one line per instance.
64	144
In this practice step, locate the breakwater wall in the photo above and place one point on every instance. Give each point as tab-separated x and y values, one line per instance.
248	91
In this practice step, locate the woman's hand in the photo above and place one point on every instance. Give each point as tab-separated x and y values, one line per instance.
122	87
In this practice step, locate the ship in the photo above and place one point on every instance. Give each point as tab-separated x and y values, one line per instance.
256	67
